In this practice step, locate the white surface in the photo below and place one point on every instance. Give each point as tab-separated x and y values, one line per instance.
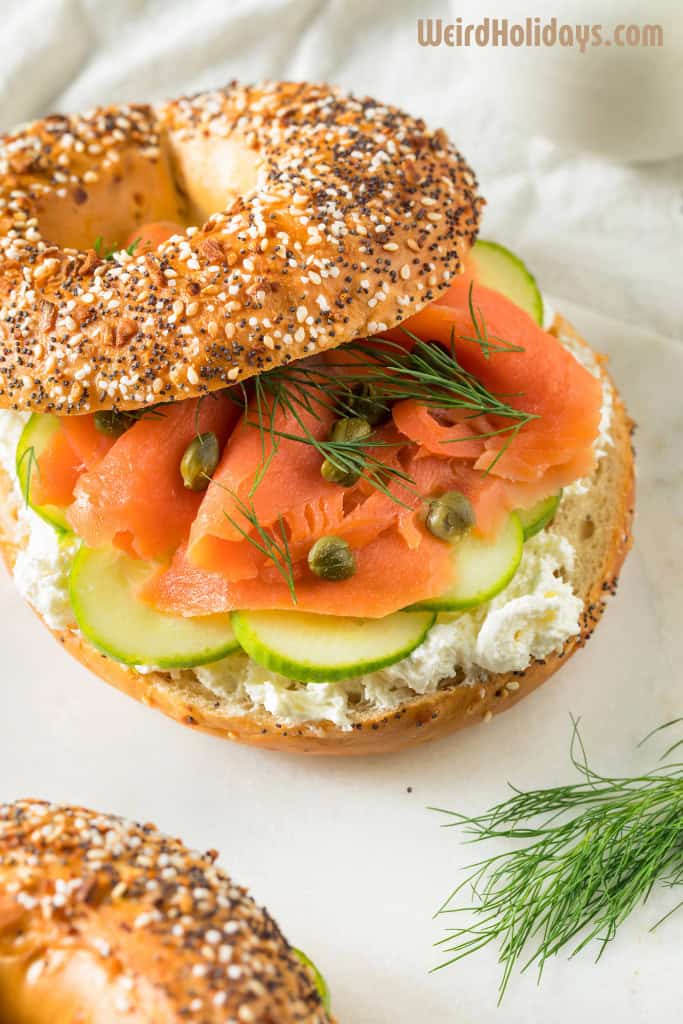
585	95
349	862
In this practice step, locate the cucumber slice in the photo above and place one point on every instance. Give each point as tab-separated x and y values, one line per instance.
498	268
323	648
320	983
481	568
34	439
103	587
534	519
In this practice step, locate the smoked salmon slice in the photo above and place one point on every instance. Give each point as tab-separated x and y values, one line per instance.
543	378
135	496
388	575
75	447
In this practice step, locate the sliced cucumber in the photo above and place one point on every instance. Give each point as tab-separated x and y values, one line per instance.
539	515
481	568
322	648
498	268
35	437
320	983
104	586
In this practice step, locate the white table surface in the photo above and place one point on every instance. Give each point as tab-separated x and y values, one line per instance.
351	863
348	860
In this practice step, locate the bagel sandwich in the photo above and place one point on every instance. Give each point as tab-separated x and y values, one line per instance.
287	451
107	920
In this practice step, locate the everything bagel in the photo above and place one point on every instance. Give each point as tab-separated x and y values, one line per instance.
103	920
355	552
313	218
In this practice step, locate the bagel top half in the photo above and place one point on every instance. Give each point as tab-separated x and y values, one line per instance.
106	921
315	218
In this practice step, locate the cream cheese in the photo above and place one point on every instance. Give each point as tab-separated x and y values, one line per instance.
41	570
41	573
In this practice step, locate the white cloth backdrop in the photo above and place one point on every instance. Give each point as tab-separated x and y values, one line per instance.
606	243
608	236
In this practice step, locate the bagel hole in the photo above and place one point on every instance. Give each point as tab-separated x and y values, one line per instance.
133	192
210	172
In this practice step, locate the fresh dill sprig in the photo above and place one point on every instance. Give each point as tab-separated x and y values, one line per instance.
482	337
274	547
306	391
428	373
108	254
667	725
349	457
595	851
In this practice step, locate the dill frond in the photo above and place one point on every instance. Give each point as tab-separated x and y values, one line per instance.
593	851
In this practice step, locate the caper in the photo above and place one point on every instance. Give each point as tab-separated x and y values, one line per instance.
111	422
331	558
350	428
364	402
450	516
346	430
334	474
199	461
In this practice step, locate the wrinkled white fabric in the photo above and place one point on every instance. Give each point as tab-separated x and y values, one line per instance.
602	235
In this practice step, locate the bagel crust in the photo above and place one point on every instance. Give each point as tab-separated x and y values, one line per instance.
316	218
104	921
598	524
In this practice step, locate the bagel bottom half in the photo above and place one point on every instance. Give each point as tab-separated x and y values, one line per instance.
598	525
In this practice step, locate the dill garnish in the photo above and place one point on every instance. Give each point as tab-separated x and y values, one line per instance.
108	254
274	547
309	391
597	849
277	390
427	373
481	331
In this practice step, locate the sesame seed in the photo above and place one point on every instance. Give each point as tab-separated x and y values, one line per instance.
134	339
